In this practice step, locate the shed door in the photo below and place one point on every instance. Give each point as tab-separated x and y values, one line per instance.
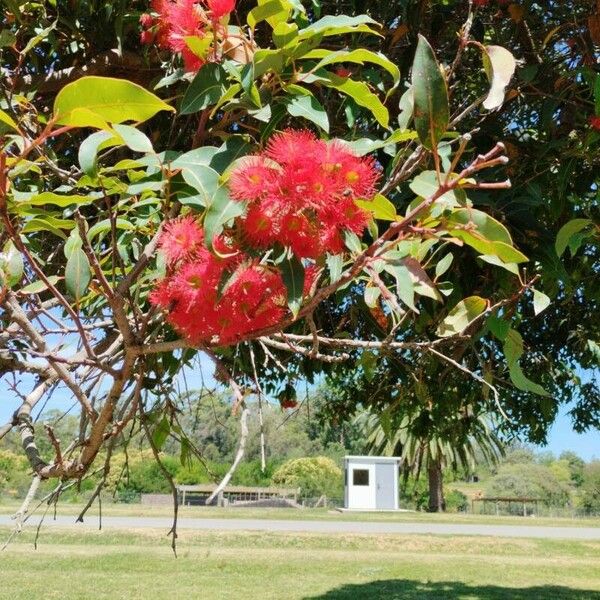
361	485
385	476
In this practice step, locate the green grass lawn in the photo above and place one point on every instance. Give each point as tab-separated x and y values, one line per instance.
89	565
66	508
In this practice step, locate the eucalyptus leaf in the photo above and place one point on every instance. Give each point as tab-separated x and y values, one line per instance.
89	101
77	274
431	109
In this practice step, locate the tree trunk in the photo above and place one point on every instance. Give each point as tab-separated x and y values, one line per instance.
436	488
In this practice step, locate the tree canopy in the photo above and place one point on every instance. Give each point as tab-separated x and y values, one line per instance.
400	192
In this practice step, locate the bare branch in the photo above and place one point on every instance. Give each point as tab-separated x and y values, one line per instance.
238	456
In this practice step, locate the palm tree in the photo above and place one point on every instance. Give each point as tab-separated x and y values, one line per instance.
425	443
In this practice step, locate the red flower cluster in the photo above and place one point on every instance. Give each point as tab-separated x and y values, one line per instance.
595	122
252	297
301	193
501	3
174	20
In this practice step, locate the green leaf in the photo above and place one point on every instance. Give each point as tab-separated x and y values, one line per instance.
462	315
540	302
506	253
272	11
206	89
406	108
40	37
292	273
11	265
161	433
50	224
59	200
443	265
228	95
360	56
368	362
221	210
134	139
500	67
309	108
357	90
90	100
197	157
267	59
513	350
105	226
421	282
89	148
431	110
498	262
335	264
426	183
77	274
405	285
203	179
380	207
284	33
199	45
7	122
487	226
364	146
338	25
38	287
7	38
498	326
73	243
232	149
352	242
567	231
372	296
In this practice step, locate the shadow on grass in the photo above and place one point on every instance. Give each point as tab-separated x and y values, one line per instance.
404	589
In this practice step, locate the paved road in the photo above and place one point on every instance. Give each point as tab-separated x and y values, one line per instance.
360	527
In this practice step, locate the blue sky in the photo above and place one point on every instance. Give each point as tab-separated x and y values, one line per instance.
562	437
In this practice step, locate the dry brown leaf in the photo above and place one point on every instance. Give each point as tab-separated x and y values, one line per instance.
399	33
594	27
516	12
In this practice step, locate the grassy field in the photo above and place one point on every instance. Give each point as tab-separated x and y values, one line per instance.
138	510
90	565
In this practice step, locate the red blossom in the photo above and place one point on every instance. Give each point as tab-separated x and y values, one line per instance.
176	20
595	122
180	238
343	72
218	299
146	37
146	20
252	179
301	193
220	8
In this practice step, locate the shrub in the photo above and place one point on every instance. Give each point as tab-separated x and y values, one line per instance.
314	476
15	474
146	476
529	481
456	501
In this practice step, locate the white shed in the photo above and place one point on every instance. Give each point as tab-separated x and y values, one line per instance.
371	482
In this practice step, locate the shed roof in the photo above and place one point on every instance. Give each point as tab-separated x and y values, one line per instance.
374	458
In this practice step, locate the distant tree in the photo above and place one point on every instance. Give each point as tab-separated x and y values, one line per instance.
590	487
576	466
431	445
